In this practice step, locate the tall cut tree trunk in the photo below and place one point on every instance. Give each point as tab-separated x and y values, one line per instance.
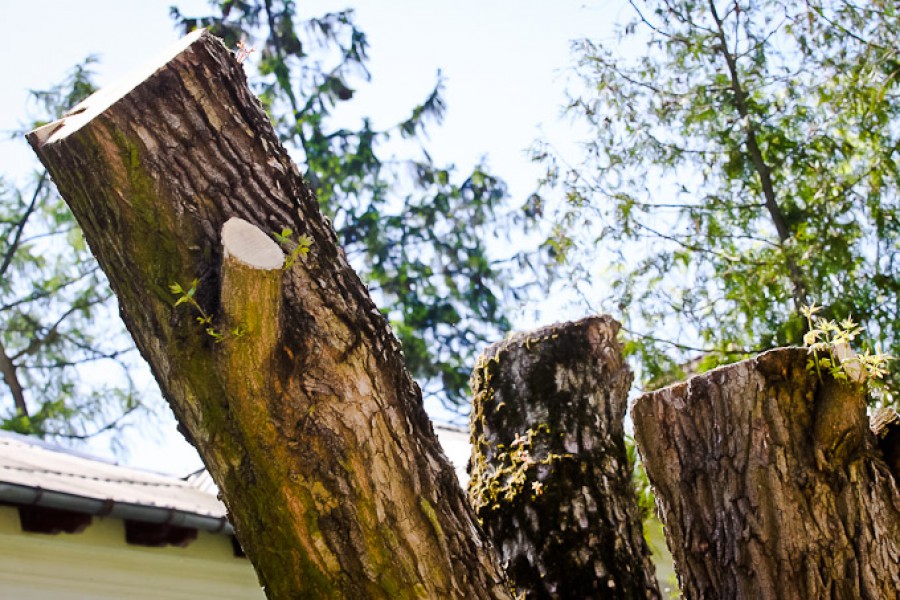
550	478
770	484
294	393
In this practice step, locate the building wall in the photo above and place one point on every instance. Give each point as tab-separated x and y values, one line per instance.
97	564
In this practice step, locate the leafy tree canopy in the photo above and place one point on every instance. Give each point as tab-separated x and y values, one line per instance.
52	296
741	164
415	230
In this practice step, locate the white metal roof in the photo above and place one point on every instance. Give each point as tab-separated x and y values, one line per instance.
30	463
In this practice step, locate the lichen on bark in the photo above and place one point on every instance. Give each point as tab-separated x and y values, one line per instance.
549	474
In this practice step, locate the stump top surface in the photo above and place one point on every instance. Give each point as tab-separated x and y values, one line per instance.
94	105
250	245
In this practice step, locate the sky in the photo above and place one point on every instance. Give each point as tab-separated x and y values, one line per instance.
505	64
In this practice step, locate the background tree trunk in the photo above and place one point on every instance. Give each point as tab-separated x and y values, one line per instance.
770	484
885	425
550	478
303	411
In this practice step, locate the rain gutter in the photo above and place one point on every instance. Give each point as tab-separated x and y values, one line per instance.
36	496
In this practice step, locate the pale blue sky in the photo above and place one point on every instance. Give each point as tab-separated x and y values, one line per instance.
504	62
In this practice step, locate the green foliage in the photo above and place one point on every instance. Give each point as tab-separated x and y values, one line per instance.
829	344
297	250
55	311
744	156
640	481
203	318
414	230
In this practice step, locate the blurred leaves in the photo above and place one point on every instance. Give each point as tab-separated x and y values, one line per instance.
55	307
741	157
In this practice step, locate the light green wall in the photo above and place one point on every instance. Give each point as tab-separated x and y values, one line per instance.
97	564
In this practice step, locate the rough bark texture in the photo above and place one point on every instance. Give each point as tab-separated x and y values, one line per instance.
770	484
308	422
885	424
550	478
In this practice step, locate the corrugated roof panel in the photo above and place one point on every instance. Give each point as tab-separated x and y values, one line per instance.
37	465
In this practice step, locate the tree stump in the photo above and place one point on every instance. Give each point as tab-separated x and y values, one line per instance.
292	388
550	478
885	424
770	484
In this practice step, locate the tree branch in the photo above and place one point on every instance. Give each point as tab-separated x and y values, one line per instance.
14	245
8	370
114	355
53	330
759	164
104	428
47	293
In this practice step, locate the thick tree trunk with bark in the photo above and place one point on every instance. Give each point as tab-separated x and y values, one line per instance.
771	484
294	392
550	478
